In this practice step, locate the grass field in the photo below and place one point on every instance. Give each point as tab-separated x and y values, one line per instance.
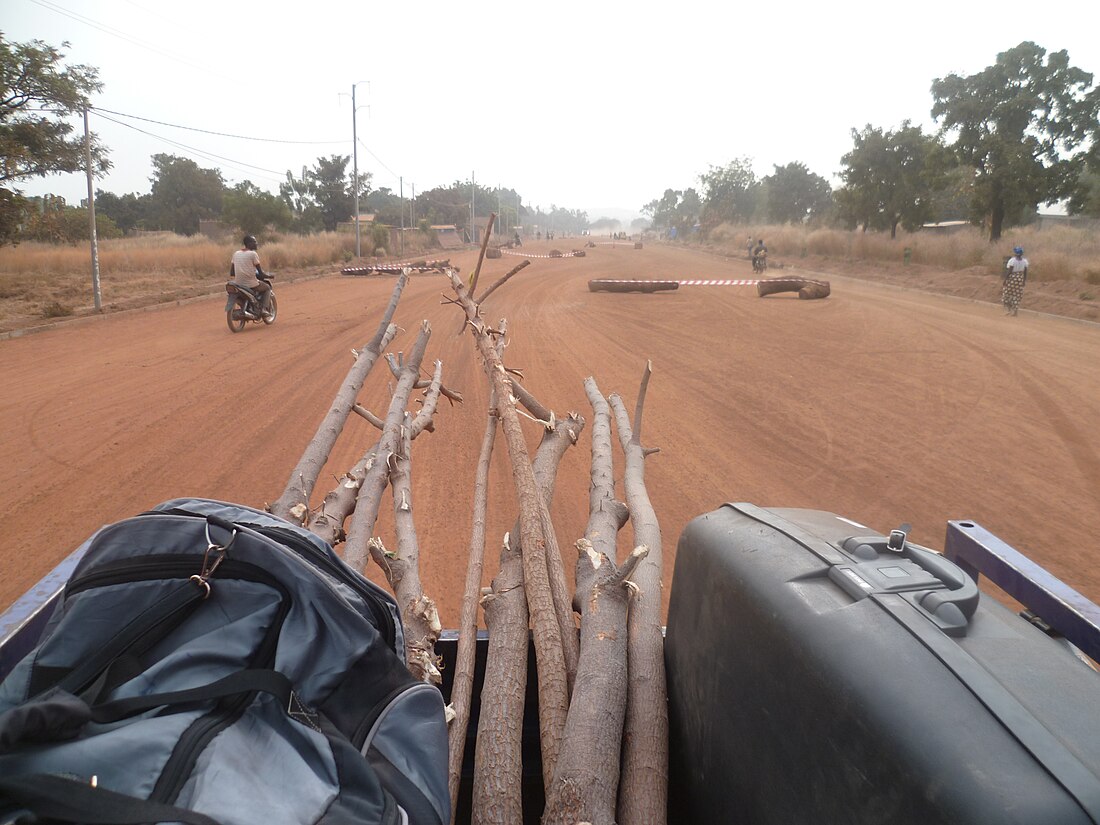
41	281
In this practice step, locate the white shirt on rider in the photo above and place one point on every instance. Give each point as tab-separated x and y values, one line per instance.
245	262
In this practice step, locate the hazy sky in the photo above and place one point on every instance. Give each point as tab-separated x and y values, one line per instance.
581	105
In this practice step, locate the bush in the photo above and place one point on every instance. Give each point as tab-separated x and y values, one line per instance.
56	310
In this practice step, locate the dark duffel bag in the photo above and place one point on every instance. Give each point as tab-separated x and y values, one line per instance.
210	663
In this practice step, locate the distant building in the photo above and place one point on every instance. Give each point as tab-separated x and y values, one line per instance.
945	227
447	235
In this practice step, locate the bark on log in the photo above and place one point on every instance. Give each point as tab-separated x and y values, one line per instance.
462	686
814	291
586	785
643	793
328	521
553	689
364	516
293	504
602	285
587	781
497	284
775	286
419	616
498	767
481	256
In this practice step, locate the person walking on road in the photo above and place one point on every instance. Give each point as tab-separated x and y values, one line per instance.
1015	277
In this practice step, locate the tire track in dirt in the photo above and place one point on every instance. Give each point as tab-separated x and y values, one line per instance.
859	404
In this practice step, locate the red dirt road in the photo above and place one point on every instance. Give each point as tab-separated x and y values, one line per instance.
879	404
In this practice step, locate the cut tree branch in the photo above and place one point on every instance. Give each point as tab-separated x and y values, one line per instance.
643	791
293	504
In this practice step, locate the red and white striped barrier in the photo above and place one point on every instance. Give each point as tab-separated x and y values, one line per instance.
414	266
528	255
722	282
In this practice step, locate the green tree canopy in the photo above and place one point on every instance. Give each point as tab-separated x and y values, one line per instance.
127	211
891	177
253	210
1022	124
37	93
795	194
183	193
730	193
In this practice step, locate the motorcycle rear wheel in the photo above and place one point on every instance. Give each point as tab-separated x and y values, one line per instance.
234	317
272	311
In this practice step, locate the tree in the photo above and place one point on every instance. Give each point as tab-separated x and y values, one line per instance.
127	211
36	93
730	193
183	193
252	210
890	177
795	194
332	190
55	222
1085	199
1022	124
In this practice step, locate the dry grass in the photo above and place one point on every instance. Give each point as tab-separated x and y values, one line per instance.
1055	254
40	281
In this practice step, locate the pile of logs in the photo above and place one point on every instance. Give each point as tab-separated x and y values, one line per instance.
603	725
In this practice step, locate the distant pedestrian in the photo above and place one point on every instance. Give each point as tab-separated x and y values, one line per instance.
1015	277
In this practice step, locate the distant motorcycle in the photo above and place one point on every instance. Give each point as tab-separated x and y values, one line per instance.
243	305
760	262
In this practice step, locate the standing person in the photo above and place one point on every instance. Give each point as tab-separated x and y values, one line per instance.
246	271
1015	277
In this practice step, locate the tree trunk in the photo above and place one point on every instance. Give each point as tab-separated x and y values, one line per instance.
553	688
356	549
643	793
293	504
419	616
462	686
498	767
586	785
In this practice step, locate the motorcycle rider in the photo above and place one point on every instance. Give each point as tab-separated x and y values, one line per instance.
759	256
245	268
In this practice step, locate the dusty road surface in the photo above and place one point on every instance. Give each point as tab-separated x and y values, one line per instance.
879	404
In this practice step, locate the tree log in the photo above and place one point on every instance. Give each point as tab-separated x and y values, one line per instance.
643	792
553	688
293	504
586	785
498	766
603	285
364	516
462	686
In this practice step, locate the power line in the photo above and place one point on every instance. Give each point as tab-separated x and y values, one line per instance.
199	152
87	21
219	134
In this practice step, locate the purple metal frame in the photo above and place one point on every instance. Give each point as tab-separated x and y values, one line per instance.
978	552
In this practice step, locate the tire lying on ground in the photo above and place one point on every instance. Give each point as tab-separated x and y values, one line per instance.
806	289
600	285
492	252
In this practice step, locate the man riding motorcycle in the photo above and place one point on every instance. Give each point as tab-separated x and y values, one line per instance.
759	256
245	270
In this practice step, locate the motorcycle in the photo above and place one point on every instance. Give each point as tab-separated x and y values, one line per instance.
760	262
243	305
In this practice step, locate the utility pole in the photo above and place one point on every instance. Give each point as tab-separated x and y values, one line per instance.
473	226
401	183
96	297
355	165
412	208
355	171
